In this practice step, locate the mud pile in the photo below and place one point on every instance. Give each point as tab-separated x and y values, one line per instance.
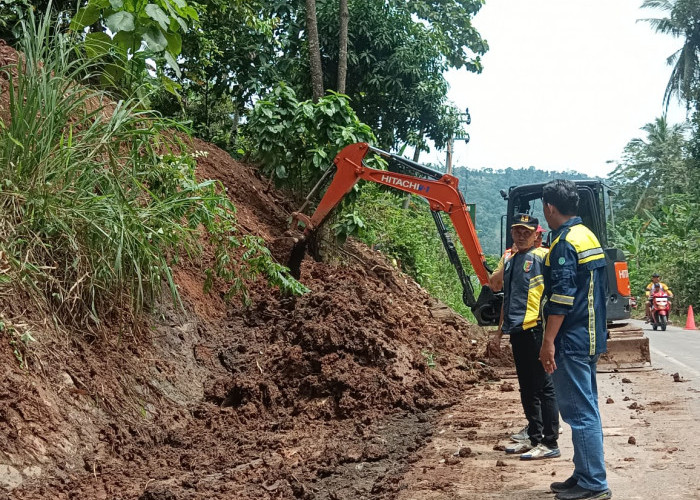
320	396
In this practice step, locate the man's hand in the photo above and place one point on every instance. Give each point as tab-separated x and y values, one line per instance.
551	331
547	357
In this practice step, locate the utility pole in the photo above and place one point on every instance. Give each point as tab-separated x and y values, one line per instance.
450	142
464	118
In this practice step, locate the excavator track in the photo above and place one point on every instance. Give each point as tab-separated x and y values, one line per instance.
628	349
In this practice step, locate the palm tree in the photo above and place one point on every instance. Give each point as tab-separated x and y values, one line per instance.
683	21
653	167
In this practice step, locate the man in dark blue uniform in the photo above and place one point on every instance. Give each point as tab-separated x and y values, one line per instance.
523	287
575	335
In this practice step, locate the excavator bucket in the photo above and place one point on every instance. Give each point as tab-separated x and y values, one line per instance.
628	348
296	256
487	309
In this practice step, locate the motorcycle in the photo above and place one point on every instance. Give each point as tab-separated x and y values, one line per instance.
660	309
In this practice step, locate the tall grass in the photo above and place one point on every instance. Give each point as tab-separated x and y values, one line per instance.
91	215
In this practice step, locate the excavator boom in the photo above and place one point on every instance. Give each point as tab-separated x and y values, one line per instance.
443	195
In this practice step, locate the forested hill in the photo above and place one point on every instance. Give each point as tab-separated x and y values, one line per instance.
482	187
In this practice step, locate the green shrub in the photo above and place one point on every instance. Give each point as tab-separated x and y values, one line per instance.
666	241
410	236
297	141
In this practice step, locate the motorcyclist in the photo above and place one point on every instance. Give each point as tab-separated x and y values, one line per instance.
653	287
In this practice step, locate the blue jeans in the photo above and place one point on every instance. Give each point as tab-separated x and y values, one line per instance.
577	394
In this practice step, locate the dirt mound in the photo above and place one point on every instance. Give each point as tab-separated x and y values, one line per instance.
8	57
290	398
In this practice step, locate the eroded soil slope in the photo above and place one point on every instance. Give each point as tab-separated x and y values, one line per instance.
289	398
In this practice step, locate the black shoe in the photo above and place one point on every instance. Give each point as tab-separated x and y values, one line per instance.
580	493
563	486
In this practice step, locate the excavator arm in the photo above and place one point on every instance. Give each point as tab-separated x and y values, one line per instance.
442	193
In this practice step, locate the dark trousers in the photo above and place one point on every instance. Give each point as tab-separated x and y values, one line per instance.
536	388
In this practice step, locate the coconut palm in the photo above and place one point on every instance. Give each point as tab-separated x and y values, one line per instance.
653	167
683	21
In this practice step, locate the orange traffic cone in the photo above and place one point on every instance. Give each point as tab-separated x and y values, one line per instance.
690	322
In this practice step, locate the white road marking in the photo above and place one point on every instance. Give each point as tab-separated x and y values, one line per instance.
675	361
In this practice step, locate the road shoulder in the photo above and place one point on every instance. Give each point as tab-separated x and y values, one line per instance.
651	440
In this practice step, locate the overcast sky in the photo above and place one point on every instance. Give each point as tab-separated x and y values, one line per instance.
566	84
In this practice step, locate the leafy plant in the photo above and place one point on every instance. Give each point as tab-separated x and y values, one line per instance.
397	56
666	241
429	358
19	343
10	12
350	224
140	31
297	141
224	62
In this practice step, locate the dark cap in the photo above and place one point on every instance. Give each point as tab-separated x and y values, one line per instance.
525	220
655	275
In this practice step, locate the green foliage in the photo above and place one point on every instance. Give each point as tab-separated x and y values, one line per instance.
652	169
140	32
397	56
19	342
10	13
658	227
398	53
666	241
410	237
92	215
429	358
350	224
297	141
681	21
451	23
224	62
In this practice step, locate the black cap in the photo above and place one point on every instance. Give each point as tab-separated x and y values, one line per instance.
655	275
526	220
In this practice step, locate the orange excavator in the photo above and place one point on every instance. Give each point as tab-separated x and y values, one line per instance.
443	195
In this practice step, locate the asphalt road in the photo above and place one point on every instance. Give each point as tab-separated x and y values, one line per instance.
675	351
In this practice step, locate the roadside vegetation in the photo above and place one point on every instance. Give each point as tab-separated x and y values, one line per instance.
98	197
657	179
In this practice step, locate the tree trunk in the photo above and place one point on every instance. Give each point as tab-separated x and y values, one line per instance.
206	108
314	51
416	154
343	46
234	125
